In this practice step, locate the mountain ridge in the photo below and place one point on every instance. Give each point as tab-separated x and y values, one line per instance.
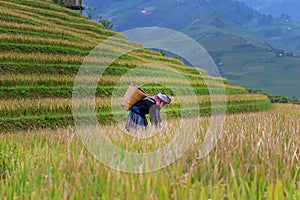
235	26
276	7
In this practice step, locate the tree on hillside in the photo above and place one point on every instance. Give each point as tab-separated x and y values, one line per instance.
285	16
91	12
284	99
60	2
162	52
106	23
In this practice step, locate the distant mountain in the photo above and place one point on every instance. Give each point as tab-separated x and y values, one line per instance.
179	14
276	7
251	48
175	14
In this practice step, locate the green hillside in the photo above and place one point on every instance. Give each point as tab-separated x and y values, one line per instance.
276	7
42	48
255	50
250	60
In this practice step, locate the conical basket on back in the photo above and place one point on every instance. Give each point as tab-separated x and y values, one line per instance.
132	95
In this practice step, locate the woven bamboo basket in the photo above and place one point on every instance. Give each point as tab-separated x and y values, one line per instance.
132	95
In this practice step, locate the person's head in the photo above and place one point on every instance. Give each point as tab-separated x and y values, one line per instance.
162	99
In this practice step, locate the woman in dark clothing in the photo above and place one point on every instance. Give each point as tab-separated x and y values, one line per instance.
137	117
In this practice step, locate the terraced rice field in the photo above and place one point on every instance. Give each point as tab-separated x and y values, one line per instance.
42	48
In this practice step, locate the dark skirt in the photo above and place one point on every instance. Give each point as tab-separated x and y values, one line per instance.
135	120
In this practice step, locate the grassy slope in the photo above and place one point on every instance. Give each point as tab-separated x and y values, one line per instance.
42	47
276	8
249	60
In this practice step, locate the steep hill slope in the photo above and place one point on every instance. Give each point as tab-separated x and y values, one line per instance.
42	48
254	49
276	7
247	59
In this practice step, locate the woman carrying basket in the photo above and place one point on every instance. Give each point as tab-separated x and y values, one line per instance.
152	106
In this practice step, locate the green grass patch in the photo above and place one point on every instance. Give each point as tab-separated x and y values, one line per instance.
20	92
62	117
31	48
9	18
39	33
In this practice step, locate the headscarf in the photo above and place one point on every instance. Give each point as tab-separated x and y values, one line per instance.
162	97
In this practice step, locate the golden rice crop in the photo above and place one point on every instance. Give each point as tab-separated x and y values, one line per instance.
48	11
114	46
118	38
35	79
70	59
107	102
22	38
166	81
18	38
256	157
160	57
41	58
60	11
46	29
59	28
53	16
174	65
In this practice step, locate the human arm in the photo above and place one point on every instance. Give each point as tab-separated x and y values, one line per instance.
155	118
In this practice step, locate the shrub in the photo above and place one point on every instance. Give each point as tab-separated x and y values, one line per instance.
60	2
283	99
